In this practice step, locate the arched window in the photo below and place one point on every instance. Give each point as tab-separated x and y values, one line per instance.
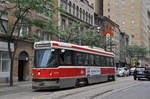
83	15
89	18
70	5
74	9
66	4
86	16
80	13
61	3
77	11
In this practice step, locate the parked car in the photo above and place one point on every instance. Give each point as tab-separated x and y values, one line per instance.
142	72
132	70
123	71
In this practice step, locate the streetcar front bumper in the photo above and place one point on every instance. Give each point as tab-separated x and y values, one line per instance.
45	84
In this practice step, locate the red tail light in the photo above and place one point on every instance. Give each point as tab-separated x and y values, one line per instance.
146	71
135	70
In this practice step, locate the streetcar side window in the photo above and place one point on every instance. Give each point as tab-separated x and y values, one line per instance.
107	61
102	60
97	60
86	59
91	60
66	58
111	62
79	58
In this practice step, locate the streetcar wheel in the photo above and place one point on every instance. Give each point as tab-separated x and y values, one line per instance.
81	82
139	79
77	84
113	78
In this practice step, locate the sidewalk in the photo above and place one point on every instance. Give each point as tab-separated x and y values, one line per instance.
17	85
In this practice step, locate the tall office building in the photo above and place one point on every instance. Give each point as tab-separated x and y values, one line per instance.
98	6
131	16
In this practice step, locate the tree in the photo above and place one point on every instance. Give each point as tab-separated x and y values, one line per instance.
70	34
22	12
79	34
137	52
93	38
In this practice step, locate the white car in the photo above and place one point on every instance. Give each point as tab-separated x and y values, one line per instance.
123	71
132	70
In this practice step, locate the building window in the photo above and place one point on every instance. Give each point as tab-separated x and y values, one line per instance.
63	24
61	3
91	19
108	3
123	29
77	11
74	9
132	14
117	3
117	8
117	16
70	5
4	19
133	43
24	30
108	9
123	15
132	1
132	6
132	36
117	22
132	28
123	22
66	4
123	8
83	15
43	36
86	16
48	37
132	21
4	62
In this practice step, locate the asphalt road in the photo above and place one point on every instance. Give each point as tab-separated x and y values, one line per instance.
122	88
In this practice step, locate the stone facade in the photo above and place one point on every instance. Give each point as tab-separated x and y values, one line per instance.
76	11
24	57
24	47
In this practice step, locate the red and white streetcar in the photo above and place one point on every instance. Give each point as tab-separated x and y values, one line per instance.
61	65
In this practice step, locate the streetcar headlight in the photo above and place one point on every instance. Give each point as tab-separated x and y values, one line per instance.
39	73
50	73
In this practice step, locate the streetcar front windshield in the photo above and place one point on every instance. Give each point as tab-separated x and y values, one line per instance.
45	58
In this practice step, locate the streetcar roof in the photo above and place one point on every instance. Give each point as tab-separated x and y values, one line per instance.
69	46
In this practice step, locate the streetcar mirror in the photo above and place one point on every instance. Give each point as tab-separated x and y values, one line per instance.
52	50
62	50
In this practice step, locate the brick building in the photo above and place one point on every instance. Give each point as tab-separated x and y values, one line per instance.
24	57
75	12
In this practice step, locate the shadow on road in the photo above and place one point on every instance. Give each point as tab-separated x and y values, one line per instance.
63	89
